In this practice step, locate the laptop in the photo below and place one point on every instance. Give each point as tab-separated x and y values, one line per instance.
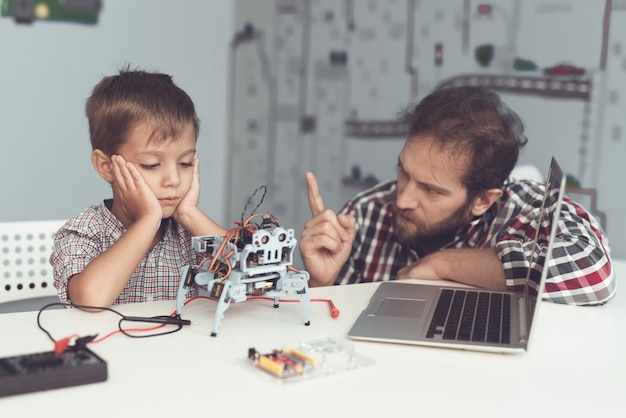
467	318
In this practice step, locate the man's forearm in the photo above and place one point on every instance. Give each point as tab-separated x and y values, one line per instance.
477	267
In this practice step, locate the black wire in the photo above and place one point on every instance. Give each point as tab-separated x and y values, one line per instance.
123	318
179	325
264	187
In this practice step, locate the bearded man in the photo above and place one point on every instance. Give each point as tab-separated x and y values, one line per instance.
455	213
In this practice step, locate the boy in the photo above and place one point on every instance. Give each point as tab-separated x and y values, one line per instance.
143	131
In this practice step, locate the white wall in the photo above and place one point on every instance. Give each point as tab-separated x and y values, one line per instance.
48	69
283	75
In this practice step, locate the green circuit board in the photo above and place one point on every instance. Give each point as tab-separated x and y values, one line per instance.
54	10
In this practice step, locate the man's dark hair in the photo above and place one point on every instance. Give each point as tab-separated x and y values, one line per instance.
118	103
470	123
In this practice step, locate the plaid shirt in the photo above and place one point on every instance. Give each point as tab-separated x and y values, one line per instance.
95	230
580	269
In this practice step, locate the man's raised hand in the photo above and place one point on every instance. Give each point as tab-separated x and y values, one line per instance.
326	239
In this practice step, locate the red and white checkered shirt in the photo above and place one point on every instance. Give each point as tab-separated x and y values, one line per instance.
580	268
95	230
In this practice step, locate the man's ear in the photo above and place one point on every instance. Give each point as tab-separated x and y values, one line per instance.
483	201
103	165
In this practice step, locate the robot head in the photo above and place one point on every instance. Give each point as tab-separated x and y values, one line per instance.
273	246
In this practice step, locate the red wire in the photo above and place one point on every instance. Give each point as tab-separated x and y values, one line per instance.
334	312
234	232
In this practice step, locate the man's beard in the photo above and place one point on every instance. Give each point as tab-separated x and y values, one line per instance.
418	235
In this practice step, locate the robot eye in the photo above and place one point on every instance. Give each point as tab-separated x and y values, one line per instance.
265	239
282	237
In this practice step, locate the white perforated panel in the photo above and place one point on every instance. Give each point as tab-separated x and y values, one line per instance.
25	248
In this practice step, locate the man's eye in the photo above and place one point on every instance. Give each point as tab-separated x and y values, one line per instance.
148	166
187	164
432	190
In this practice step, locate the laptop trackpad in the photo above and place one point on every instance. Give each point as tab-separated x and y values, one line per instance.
403	308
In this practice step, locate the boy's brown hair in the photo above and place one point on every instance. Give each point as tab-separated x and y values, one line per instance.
118	103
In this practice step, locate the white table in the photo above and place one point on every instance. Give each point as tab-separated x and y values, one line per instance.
576	366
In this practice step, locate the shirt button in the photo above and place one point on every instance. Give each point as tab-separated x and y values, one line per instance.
149	298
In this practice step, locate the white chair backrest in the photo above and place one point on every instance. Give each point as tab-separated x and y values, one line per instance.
25	249
527	172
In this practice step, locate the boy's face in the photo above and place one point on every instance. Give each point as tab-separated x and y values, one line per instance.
166	167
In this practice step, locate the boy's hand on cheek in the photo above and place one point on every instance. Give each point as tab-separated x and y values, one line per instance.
135	197
189	202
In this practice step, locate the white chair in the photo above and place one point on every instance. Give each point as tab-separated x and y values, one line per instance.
587	198
527	172
26	273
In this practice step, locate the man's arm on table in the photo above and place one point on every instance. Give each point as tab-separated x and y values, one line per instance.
476	267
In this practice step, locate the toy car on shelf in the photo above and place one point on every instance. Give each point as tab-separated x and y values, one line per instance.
564	71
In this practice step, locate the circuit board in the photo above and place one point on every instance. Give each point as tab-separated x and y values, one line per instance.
313	358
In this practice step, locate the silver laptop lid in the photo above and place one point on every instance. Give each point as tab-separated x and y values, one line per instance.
547	227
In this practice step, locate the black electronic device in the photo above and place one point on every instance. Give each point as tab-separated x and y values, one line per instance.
47	370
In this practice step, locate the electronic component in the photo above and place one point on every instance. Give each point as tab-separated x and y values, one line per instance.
312	358
47	370
282	363
27	11
248	260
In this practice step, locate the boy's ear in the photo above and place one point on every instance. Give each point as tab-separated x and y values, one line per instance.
102	163
484	201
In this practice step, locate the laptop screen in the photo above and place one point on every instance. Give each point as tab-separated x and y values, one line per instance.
547	226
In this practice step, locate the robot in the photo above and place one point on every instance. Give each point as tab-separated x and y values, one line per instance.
246	261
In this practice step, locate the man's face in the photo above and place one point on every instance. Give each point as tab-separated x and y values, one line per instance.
431	203
166	167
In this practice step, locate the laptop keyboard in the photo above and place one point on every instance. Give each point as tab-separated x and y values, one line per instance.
467	315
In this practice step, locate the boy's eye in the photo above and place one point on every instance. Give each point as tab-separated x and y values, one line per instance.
190	164
148	166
